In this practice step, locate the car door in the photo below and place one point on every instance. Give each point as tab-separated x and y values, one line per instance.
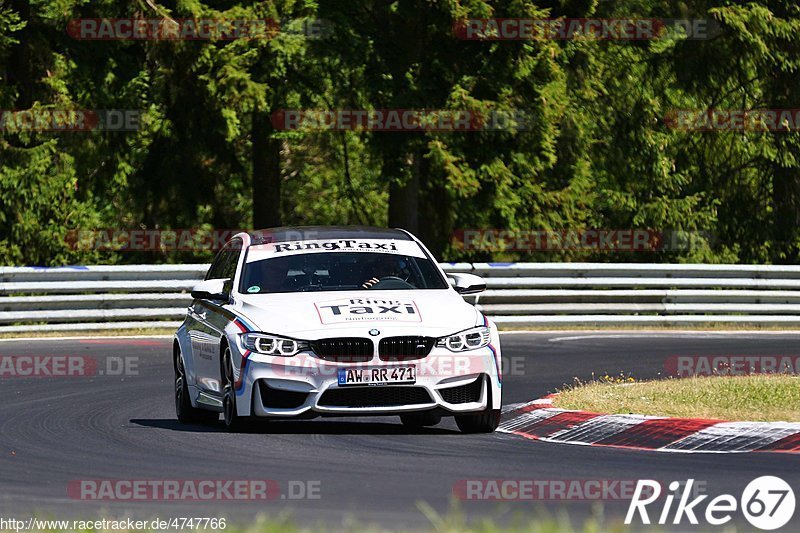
210	320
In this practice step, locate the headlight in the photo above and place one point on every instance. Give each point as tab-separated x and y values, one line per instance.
272	345
470	339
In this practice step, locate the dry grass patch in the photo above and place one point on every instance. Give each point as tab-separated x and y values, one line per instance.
756	397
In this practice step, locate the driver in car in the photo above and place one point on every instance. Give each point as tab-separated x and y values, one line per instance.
388	267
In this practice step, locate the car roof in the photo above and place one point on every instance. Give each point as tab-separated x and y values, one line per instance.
306	233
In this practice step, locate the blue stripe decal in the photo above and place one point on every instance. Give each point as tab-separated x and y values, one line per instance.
245	323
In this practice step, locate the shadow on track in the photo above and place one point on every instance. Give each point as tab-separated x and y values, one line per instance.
317	427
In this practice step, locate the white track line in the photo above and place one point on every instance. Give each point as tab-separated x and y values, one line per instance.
87	337
676	334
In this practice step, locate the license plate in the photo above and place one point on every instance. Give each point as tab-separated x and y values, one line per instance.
376	376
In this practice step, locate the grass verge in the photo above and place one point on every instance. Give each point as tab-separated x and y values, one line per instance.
760	397
449	522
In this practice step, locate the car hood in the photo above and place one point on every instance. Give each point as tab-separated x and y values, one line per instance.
314	315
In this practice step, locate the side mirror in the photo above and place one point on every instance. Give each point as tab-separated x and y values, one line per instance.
211	289
467	283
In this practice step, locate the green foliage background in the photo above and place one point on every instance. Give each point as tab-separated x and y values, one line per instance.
598	155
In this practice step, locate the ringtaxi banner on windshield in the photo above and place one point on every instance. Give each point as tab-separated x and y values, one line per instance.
281	249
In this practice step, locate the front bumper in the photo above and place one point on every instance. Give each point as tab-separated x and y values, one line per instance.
307	386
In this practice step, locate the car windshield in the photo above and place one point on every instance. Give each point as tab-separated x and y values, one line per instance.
340	271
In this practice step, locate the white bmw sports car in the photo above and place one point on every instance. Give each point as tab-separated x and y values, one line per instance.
335	321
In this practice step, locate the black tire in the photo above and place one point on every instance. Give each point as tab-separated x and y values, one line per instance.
186	413
420	420
233	422
484	422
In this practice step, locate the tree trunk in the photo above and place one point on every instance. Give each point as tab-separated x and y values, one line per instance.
266	159
404	204
785	175
785	196
402	167
436	210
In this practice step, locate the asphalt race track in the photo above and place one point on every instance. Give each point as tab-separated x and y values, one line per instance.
54	430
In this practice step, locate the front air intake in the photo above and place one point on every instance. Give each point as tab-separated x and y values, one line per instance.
471	392
374	397
405	348
344	349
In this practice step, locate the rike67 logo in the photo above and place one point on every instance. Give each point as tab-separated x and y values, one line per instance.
768	503
356	309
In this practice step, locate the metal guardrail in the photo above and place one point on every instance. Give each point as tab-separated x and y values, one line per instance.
517	295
